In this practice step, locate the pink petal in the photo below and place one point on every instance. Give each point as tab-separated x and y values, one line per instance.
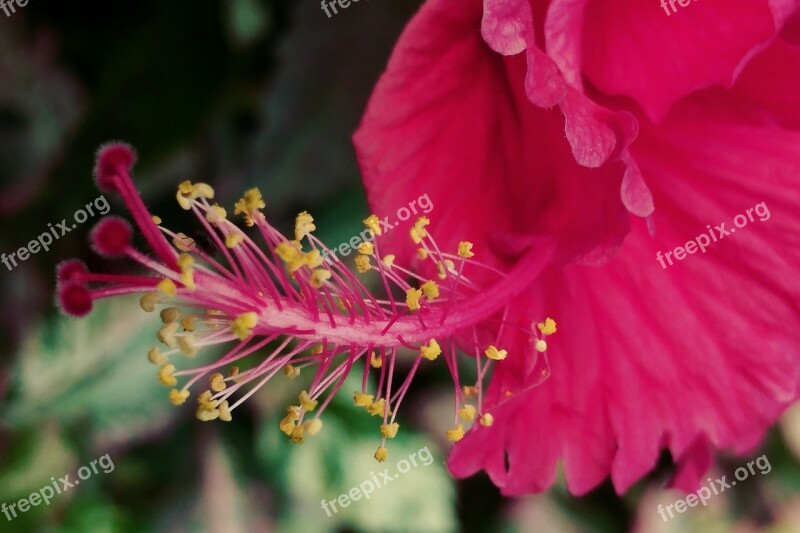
692	465
450	119
634	49
508	28
647	357
769	88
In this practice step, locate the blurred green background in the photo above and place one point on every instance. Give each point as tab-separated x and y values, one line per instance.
236	93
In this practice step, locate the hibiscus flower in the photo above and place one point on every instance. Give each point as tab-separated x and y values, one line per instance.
617	133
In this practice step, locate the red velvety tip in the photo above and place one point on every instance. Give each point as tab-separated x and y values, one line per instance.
74	299
69	270
112	236
110	158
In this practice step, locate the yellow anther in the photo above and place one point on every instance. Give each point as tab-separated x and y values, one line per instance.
291	371
202	190
232	240
291	255
233	372
185	187
487	420
313	259
422	253
366	248
412	299
218	382
319	277
156	220
493	353
294	412
148	302
170	315
187	192
297	435
444	267
455	434
166	334
204	398
178	397
415	235
316	350
388	260
167	286
418	232
186	263
303	225
216	214
465	250
187	278
183	243
187	345
548	327
207	415
187	323
467	412
373	223
165	376
204	401
540	346
207	408
389	431
381	454
287	425
470	391
362	400
430	351
312	427
363	263
430	289
306	402
243	326
156	357
378	408
183	195
249	206
375	360
225	412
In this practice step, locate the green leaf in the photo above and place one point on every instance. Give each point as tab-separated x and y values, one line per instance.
91	370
